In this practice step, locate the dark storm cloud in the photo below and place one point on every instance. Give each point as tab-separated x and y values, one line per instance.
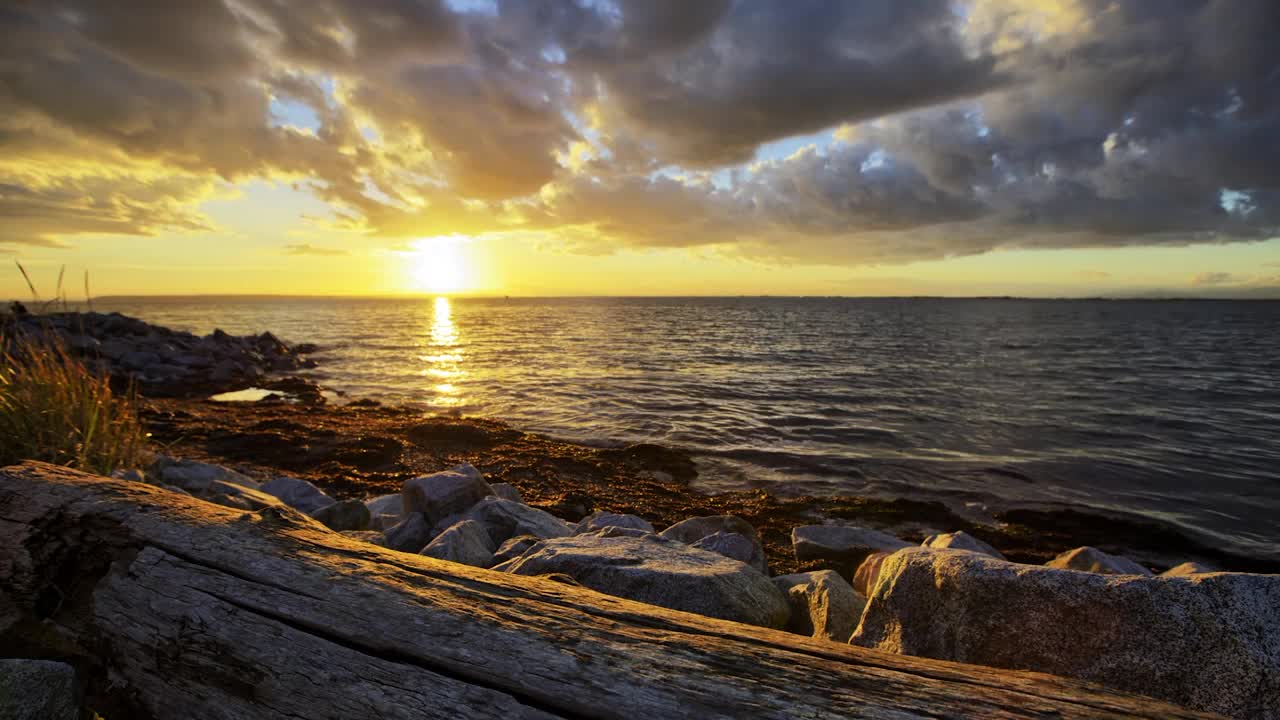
965	126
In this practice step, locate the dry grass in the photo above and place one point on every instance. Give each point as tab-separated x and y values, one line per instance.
55	409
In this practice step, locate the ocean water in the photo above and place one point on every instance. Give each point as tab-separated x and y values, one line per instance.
1169	409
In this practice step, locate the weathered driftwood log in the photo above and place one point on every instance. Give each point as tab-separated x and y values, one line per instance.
180	608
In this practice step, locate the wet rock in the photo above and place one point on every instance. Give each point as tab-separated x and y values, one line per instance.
1093	560
823	605
38	690
506	491
1189	568
298	494
602	519
466	542
409	535
961	540
692	530
344	515
514	548
1209	642
844	546
659	571
442	494
192	476
504	519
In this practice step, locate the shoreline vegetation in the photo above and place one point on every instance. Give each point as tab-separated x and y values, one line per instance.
479	492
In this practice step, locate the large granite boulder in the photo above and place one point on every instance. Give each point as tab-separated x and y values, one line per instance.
392	504
514	548
237	496
961	540
506	491
601	519
843	546
192	475
1210	642
868	572
823	605
442	494
1191	567
344	515
466	542
730	545
1093	560
409	535
38	690
505	519
298	494
659	571
694	529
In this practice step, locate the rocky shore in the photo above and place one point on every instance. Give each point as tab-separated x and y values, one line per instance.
1116	600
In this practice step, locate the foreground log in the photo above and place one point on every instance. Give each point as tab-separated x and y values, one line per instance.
174	607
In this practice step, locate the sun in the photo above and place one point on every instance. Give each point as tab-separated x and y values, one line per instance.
439	264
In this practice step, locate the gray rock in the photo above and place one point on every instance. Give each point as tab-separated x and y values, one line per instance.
139	359
601	519
961	540
442	494
344	515
386	505
466	542
382	522
514	548
659	571
130	474
38	690
1093	560
505	519
238	496
730	545
409	535
1209	642
193	476
843	545
692	530
823	605
506	491
298	494
868	572
1189	568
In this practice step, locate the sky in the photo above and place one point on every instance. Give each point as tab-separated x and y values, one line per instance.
642	147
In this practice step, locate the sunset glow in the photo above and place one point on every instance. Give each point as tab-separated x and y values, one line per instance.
439	265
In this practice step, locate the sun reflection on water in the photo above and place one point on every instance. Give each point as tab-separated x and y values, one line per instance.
444	357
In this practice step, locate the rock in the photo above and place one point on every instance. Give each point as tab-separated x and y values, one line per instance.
373	537
442	494
382	522
601	519
139	359
130	474
504	519
392	504
1093	560
194	476
38	690
410	535
238	496
514	548
298	494
823	605
506	491
692	530
864	578
730	545
659	571
961	540
344	515
466	542
1188	568
844	546
1209	642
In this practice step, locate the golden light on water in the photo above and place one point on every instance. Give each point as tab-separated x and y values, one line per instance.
439	264
444	357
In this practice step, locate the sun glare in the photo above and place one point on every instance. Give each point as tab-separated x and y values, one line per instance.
439	264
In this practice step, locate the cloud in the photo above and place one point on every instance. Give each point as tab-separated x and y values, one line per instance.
1093	274
1214	278
963	127
309	249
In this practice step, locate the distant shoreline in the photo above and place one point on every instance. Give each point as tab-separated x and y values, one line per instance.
465	296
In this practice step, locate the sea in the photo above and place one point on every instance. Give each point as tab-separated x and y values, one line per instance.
1168	409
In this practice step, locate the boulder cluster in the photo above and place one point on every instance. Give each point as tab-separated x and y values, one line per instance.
160	361
1205	639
